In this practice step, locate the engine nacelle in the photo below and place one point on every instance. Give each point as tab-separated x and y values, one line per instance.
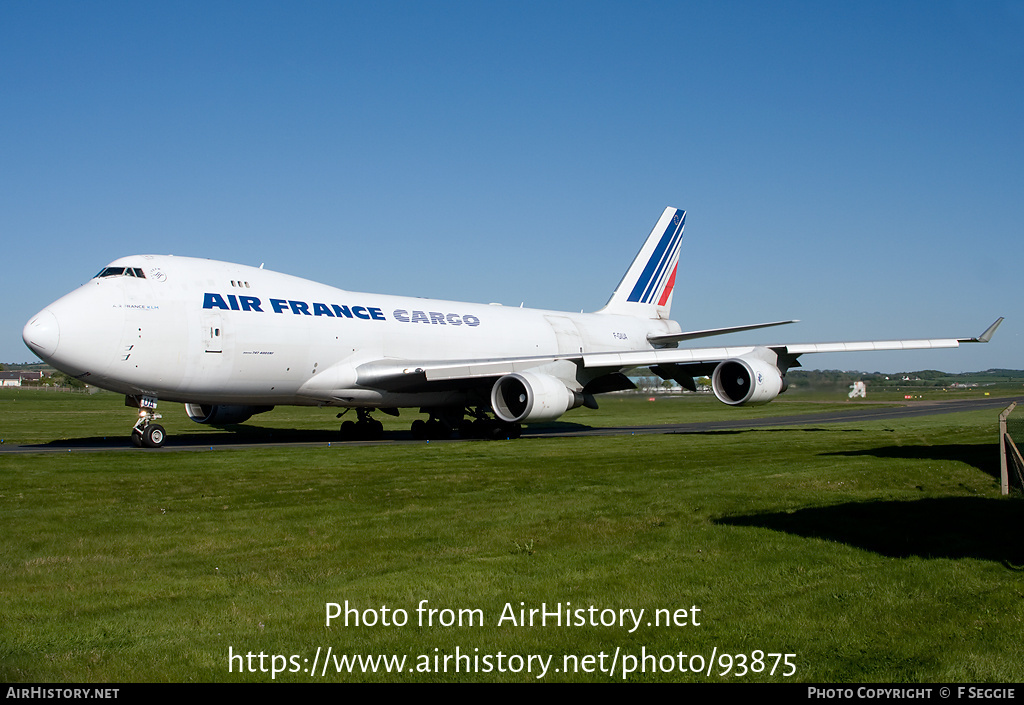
747	380
221	415
528	396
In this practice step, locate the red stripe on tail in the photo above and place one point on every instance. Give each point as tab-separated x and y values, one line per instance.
668	287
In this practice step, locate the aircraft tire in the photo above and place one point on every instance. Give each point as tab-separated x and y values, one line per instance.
154	436
438	430
374	430
348	431
505	431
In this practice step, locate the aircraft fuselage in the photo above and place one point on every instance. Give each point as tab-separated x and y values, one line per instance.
202	331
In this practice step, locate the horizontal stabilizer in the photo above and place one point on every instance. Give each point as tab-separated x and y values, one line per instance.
691	335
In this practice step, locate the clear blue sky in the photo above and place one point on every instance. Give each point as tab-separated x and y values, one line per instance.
856	165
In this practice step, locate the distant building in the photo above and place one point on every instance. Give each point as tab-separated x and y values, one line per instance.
16	377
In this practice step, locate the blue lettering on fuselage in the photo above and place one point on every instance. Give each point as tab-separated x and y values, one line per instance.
231	302
239	303
436	318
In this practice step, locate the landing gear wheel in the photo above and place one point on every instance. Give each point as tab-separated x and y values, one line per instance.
366	428
145	433
500	431
374	429
438	430
153	436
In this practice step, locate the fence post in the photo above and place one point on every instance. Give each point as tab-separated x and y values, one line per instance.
1004	475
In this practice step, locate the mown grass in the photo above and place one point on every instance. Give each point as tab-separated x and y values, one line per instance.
32	416
874	552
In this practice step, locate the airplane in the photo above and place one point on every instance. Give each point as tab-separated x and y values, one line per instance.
231	341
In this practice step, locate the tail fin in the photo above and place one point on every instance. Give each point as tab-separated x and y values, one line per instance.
646	290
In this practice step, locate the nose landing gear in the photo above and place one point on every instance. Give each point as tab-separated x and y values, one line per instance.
145	433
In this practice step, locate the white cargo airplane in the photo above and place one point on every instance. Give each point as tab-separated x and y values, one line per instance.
231	341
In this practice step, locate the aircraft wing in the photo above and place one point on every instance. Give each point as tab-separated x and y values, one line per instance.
644	358
400	374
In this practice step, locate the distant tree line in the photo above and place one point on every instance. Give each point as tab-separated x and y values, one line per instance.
917	378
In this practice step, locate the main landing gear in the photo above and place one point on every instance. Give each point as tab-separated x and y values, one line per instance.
146	434
366	428
443	423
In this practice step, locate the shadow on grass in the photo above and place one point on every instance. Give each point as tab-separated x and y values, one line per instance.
733	432
245	434
983	456
944	527
234	435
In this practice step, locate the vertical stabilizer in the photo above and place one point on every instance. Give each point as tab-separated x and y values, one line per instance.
646	290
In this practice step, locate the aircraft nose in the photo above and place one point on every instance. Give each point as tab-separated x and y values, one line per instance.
42	334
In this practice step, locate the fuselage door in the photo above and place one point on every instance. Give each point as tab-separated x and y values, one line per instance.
213	332
567	334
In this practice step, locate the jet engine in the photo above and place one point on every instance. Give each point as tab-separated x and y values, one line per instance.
747	380
221	415
528	396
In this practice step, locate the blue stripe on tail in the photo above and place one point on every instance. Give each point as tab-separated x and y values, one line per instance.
657	266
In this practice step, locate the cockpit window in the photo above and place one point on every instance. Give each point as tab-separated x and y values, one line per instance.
110	272
121	272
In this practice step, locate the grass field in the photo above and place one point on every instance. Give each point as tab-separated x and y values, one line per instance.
874	552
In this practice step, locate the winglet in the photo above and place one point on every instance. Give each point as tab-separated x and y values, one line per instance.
986	336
